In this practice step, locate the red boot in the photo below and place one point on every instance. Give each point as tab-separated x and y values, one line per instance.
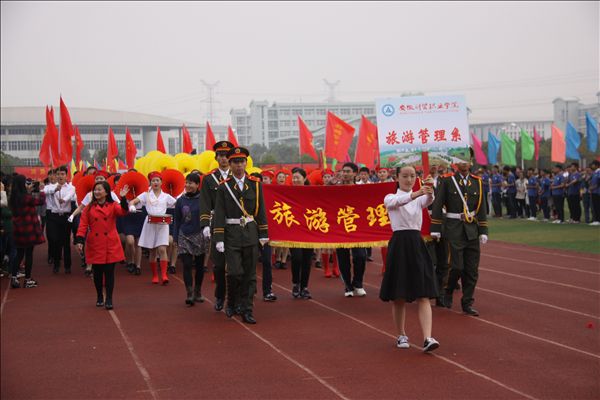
163	270
384	258
154	268
325	262
336	269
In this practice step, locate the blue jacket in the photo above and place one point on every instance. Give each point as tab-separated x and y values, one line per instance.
532	191
558	180
510	180
187	215
573	190
545	185
496	178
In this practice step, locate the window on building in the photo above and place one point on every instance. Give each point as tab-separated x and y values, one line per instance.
368	111
285	113
272	114
309	111
321	111
273	124
345	111
297	111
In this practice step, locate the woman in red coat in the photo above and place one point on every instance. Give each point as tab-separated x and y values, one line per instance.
102	246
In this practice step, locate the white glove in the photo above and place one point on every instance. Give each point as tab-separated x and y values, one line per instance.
220	246
132	208
206	232
436	235
263	241
483	239
71	217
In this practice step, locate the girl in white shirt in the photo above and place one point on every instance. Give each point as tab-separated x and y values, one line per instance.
409	273
155	236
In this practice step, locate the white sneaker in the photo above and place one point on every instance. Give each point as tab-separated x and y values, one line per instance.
402	342
360	292
430	345
595	223
532	219
557	221
545	219
349	293
20	275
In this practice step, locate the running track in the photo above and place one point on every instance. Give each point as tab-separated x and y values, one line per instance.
537	338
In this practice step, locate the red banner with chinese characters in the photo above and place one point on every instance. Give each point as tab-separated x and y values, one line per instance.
328	216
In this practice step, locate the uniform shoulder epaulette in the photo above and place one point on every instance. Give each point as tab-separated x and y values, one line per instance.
475	176
253	178
448	175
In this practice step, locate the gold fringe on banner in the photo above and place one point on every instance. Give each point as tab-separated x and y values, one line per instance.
313	245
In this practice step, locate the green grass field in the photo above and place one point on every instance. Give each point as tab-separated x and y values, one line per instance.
580	237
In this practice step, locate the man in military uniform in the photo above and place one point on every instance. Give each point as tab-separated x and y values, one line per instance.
240	224
464	226
208	196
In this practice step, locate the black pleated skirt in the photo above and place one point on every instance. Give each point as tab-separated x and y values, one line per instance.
409	271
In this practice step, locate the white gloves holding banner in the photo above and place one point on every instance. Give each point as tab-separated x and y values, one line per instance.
483	239
132	208
206	232
263	241
220	246
436	235
71	217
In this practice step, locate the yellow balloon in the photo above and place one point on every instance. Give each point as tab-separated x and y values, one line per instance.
214	164
162	162
153	153
253	170
205	160
186	163
139	164
249	163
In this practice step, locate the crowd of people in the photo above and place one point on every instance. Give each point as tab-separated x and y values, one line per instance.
220	219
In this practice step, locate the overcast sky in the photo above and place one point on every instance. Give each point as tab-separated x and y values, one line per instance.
509	59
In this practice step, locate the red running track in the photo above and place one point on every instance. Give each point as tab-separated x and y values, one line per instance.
537	338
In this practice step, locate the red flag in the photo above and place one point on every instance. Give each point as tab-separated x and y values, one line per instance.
367	148
130	150
559	147
187	141
160	146
231	136
338	136
66	134
209	141
52	133
112	152
480	157
78	147
122	165
536	140
306	140
45	148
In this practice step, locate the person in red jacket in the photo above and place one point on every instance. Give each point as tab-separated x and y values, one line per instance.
102	247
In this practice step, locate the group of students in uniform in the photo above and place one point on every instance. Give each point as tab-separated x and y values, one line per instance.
222	216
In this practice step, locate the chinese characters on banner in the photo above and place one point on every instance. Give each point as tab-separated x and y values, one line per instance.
328	216
408	126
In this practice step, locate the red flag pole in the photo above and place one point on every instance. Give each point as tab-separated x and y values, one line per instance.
425	162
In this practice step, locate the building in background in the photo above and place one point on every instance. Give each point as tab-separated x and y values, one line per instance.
22	130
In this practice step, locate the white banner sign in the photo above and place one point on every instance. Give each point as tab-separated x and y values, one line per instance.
408	126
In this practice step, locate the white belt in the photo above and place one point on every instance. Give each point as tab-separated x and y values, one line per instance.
238	221
458	215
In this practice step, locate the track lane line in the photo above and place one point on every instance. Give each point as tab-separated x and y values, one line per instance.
541	264
564	346
4	298
138	363
496	244
387	334
540	280
298	364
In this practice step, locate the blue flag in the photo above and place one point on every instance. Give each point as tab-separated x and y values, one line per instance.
493	147
573	141
591	127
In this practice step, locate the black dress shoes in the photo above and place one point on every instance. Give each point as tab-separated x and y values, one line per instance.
229	311
447	300
108	305
471	311
248	318
219	303
99	302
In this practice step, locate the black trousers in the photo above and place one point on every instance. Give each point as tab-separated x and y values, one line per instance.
301	260
511	204
497	204
59	234
574	207
106	273
267	274
521	208
596	207
533	206
437	250
559	205
218	260
545	208
193	263
464	265
50	243
27	253
359	260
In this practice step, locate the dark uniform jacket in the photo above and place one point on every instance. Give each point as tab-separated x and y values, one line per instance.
208	196
448	200
251	198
